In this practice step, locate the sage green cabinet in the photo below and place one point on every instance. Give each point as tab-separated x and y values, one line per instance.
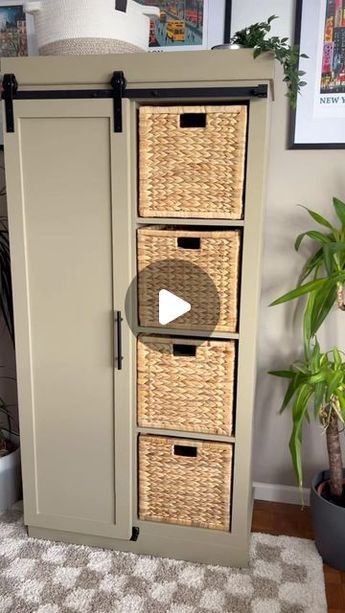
73	212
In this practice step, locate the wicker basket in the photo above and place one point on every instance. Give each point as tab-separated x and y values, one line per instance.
185	482
69	27
197	171
87	46
185	385
217	256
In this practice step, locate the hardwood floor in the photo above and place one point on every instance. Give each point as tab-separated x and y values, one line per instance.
289	519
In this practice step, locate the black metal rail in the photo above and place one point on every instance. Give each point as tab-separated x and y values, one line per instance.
118	91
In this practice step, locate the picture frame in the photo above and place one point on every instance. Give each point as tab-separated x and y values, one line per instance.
10	46
318	122
190	25
15	40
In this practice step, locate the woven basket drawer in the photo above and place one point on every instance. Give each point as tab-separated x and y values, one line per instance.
195	171
218	256
185	482
185	385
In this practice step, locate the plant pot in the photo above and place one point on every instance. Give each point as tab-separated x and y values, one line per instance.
329	525
10	477
79	27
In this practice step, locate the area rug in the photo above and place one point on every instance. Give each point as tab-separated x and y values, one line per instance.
37	576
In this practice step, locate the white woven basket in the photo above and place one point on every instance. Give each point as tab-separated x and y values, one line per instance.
90	26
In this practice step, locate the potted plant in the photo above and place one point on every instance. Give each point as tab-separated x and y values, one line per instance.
255	37
317	382
10	476
10	473
6	304
89	26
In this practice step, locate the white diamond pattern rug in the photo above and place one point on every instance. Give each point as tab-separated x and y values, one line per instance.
37	576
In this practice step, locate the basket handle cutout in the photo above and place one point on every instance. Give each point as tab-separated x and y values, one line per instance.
188	242
193	120
121	5
185	451
188	351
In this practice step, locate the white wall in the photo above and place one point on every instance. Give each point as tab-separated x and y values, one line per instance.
294	177
246	12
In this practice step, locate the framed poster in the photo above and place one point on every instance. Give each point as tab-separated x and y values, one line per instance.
16	35
16	30
189	24
319	119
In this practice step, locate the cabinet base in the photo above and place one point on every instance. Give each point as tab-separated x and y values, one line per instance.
178	549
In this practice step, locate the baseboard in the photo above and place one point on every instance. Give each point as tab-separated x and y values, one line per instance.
281	493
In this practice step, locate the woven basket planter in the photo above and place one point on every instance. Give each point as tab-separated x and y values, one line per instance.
185	482
185	385
188	171
218	256
79	27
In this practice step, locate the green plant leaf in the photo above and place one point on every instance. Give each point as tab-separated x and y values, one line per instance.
301	367
337	357
324	301
319	377
334	257
340	209
289	394
312	263
6	303
336	245
329	261
315	356
299	411
334	382
286	374
317	217
319	395
341	399
293	386
313	234
308	323
300	291
295	381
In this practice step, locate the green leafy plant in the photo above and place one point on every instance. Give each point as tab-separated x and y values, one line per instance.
6	444
318	384
324	272
6	426
255	37
6	310
318	381
6	299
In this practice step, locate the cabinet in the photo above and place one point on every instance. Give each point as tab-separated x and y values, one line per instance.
71	154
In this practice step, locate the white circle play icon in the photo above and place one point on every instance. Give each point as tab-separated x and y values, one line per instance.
171	307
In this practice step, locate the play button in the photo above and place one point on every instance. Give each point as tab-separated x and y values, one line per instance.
171	307
174	297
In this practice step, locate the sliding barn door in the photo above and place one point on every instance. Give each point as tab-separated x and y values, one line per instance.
67	186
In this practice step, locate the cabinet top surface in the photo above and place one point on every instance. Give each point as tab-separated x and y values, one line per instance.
143	68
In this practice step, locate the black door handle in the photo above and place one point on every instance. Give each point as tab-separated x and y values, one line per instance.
118	357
